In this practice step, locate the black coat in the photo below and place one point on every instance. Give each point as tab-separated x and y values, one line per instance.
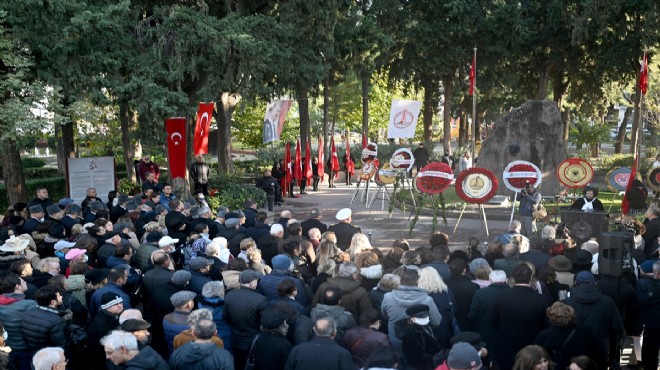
482	311
271	352
344	232
258	231
463	290
579	203
312	223
243	308
250	217
43	327
518	316
268	246
69	222
174	220
116	212
320	354
101	325
201	356
650	237
562	349
147	359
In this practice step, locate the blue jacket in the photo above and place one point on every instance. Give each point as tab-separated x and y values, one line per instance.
173	324
268	286
95	303
12	308
217	306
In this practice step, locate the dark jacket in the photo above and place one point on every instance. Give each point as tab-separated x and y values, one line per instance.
95	302
174	220
197	281
153	279
271	352
267	184
199	173
354	298
234	237
482	311
250	217
258	231
463	289
596	310
320	353
507	264
217	307
344	232
160	301
565	343
243	308
68	223
596	204
445	330
147	359
651	237
537	258
648	293
12	308
345	321
312	223
173	324
418	344
441	267
100	326
362	341
268	246
518	316
201	356
268	286
43	327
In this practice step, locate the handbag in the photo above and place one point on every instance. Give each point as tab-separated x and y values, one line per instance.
249	364
540	212
455	328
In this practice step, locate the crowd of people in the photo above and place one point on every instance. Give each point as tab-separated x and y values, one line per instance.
153	282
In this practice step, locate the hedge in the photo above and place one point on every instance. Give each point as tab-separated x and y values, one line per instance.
56	189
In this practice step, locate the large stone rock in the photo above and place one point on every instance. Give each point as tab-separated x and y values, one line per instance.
532	132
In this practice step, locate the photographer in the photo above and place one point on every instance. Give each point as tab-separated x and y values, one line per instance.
272	188
529	200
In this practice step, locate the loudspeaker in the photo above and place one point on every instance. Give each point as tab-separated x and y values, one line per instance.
614	253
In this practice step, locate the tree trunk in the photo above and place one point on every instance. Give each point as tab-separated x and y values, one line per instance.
566	117
365	106
542	92
462	129
448	83
326	112
65	145
12	173
558	95
428	85
223	114
303	109
129	149
621	133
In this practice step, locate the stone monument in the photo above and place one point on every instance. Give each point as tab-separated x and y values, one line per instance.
533	132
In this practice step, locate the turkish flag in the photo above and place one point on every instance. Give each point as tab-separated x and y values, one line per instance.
202	128
625	204
176	146
644	75
320	167
334	162
286	180
473	75
307	167
297	166
350	165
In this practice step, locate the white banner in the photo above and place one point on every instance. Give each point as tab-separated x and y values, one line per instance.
403	118
274	119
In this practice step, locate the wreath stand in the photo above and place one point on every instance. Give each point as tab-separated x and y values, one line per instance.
513	206
382	189
482	210
360	190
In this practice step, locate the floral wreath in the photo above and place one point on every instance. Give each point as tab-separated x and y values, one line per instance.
494	184
434	178
521	182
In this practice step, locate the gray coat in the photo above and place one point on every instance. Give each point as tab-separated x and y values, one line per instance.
528	203
397	301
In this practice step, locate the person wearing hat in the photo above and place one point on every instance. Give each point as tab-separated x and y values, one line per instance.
594	309
63	247
648	291
120	209
13	306
71	218
199	271
55	228
588	202
117	278
124	351
322	352
202	353
160	305
243	308
140	330
11	251
106	320
93	208
41	198
462	356
518	316
563	267
188	334
283	269
112	240
343	229
177	321
529	199
36	218
314	221
272	348
418	345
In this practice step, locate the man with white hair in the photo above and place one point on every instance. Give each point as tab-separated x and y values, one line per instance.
343	230
481	308
285	216
121	348
219	253
205	216
355	298
268	244
49	358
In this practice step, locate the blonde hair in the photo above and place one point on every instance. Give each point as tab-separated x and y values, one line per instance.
329	236
359	244
248	243
327	251
254	255
430	280
366	259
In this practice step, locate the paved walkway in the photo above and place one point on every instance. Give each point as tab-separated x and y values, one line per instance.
383	228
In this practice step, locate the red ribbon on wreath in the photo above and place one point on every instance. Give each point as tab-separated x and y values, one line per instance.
494	184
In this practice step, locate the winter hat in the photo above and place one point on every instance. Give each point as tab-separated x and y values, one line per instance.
463	356
281	262
74	253
181	277
178	299
110	299
560	263
584	278
96	276
272	319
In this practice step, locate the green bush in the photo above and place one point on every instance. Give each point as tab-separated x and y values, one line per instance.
40	172
234	190
31	162
56	189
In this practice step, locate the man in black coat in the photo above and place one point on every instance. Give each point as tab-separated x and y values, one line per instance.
421	157
260	228
120	209
314	221
36	218
648	292
103	323
272	348
243	309
343	229
40	199
204	216
463	288
71	218
250	212
42	326
269	244
161	306
91	196
652	223
518	316
481	309
322	352
199	173
589	202
177	222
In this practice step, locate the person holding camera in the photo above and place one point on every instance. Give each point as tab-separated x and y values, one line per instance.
529	200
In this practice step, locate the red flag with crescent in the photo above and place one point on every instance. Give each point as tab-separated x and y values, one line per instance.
202	128
334	162
625	204
307	166
286	179
644	75
176	146
320	167
350	165
297	166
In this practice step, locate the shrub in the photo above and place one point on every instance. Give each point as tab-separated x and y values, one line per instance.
234	196
31	162
56	189
40	172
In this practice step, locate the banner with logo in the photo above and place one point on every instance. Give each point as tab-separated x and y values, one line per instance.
176	146
202	128
403	118
276	112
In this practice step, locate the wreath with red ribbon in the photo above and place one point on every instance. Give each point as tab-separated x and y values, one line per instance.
521	182
477	171
434	184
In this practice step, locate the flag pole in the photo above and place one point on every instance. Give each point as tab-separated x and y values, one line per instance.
474	109
640	131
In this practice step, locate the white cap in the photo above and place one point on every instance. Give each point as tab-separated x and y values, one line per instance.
63	244
167	240
344	214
